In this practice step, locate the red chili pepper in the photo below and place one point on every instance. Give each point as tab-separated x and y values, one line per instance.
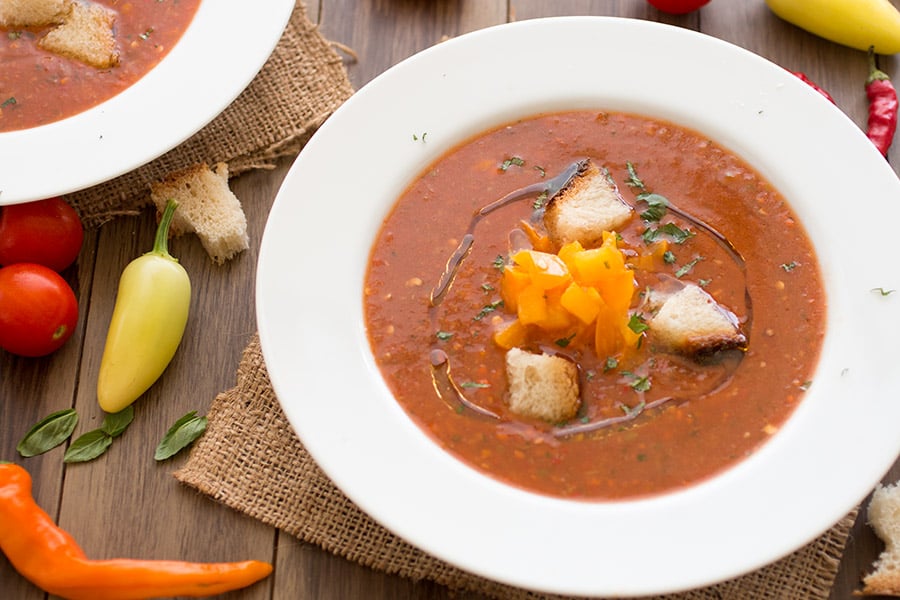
813	85
882	107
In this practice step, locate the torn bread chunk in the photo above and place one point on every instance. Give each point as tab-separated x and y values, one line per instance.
86	35
884	518
692	322
207	207
542	386
33	13
589	205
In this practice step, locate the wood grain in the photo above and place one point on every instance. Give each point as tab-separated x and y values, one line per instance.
125	504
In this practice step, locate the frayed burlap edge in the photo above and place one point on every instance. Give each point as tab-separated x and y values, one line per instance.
301	84
251	460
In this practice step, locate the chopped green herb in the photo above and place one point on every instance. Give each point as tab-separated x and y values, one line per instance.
704	282
443	335
883	291
633	411
637	324
146	34
14	35
678	235
633	180
686	268
805	385
499	262
488	309
511	161
669	257
474	384
788	267
540	201
540	170
563	342
656	207
611	363
8	102
486	288
641	457
641	384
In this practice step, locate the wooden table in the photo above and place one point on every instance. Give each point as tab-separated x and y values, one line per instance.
125	504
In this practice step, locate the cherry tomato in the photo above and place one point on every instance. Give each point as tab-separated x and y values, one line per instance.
678	7
38	310
46	232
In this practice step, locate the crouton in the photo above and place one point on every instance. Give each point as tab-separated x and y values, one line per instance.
884	518
85	35
33	13
542	386
207	207
691	321
589	205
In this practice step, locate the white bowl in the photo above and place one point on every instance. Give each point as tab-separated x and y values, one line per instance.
834	448
217	57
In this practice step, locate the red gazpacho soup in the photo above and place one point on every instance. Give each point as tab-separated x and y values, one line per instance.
41	84
689	329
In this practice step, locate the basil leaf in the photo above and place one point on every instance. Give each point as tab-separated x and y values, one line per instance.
115	424
48	433
88	446
656	206
180	435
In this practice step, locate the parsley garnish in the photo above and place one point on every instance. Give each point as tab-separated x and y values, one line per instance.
633	180
656	207
146	34
499	262
474	384
883	291
788	267
512	160
669	257
541	170
637	324
443	335
685	269
8	102
611	363
633	411
488	309
678	235
540	201
563	342
486	288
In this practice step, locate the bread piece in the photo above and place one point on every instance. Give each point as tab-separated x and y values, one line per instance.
884	518
33	13
691	321
589	205
542	386
207	207
85	35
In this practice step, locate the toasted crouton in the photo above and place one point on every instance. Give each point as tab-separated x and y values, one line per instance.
85	35
542	386
33	13
207	207
691	321
884	518
589	205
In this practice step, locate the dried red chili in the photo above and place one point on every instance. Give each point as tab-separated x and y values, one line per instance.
813	85
882	122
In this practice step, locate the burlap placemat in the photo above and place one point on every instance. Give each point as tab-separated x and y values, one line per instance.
251	460
300	85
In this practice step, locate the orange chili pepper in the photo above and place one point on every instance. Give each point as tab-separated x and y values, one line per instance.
51	559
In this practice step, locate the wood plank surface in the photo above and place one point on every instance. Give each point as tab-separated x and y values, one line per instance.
126	504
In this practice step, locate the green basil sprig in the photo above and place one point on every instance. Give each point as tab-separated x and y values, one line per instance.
180	435
48	433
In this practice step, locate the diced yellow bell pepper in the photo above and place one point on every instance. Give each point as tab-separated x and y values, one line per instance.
513	335
583	302
532	305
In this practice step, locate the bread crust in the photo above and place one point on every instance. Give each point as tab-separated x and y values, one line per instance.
884	518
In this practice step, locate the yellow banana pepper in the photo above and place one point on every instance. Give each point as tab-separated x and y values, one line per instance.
148	322
859	24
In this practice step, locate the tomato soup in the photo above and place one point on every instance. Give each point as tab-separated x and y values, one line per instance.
650	421
39	87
